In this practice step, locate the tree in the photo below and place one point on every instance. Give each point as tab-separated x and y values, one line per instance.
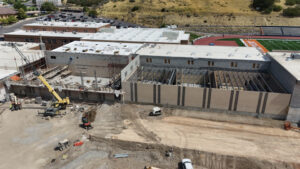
85	9
21	14
12	19
34	2
18	5
291	12
262	5
48	6
93	13
4	21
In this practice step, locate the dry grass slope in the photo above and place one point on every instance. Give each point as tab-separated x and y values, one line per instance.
192	12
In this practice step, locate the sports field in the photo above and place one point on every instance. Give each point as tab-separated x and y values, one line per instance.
272	44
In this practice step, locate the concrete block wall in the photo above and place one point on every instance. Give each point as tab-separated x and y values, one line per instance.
218	99
283	76
248	101
86	96
195	98
273	105
130	68
104	65
294	110
201	63
276	103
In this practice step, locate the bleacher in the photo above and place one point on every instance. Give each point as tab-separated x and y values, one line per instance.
271	31
291	31
280	31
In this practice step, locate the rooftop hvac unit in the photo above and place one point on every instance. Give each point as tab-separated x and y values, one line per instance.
107	30
295	55
170	35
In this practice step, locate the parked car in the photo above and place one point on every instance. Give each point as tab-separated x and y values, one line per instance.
187	163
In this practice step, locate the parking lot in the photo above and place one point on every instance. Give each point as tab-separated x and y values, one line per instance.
81	17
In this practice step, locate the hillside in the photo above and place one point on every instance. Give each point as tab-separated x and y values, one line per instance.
192	12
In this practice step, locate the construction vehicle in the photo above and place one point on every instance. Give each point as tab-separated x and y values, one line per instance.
59	104
15	103
288	126
62	145
155	112
87	118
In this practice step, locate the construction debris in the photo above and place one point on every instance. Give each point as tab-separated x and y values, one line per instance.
120	155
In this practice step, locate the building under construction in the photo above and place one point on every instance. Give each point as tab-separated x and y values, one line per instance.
230	79
13	64
87	58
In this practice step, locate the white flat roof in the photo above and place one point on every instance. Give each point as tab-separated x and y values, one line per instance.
285	60
139	35
69	24
49	33
105	48
6	73
10	58
201	51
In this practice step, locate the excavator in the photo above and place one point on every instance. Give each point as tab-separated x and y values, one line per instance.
59	104
15	103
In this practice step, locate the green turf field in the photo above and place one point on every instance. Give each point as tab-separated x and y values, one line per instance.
280	44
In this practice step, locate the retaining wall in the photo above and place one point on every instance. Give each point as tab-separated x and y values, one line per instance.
264	104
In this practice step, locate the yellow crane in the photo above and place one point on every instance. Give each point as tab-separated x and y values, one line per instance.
59	103
62	103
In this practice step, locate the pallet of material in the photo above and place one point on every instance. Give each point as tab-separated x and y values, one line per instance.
45	73
59	71
65	74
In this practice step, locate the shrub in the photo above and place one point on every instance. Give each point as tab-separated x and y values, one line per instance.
4	21
290	2
12	19
262	5
163	25
277	8
163	10
131	1
93	13
292	12
135	8
268	10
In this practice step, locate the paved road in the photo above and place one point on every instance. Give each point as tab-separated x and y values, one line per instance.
18	25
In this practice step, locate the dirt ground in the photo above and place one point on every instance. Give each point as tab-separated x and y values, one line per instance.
211	140
155	13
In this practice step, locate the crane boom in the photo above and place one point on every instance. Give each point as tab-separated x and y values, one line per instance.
60	102
49	87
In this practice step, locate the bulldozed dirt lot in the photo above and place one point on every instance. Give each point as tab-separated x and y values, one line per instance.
210	140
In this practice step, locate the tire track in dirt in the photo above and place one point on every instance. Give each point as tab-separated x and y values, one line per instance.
141	130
